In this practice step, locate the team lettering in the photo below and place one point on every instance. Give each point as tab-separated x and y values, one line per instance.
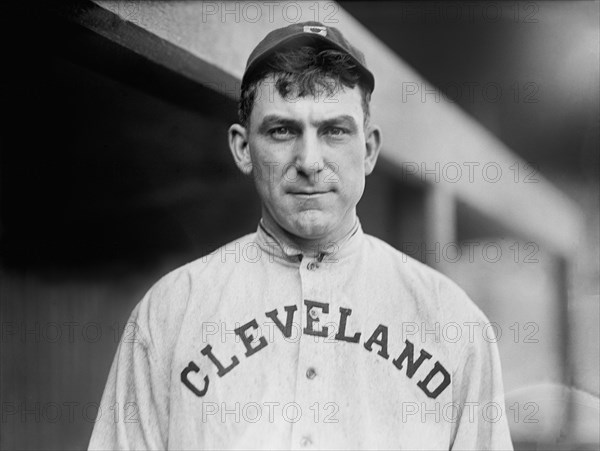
405	361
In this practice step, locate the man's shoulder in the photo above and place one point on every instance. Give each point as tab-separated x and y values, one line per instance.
432	302
406	265
168	297
433	289
160	313
238	250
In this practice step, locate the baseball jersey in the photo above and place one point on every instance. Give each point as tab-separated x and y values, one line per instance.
257	346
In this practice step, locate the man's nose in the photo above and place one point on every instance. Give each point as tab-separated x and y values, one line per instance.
309	155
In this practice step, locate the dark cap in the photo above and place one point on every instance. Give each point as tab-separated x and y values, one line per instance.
307	33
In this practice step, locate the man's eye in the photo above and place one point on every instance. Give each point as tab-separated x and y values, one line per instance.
336	132
281	132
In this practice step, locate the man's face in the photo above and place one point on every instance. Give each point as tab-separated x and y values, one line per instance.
309	160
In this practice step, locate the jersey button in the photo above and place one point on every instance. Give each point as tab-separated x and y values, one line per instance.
311	373
313	313
305	442
311	266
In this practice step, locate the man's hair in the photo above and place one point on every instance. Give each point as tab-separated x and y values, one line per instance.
305	71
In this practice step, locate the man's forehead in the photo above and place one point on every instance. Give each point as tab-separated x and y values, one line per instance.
327	103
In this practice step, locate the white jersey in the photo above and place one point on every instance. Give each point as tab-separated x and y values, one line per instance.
255	346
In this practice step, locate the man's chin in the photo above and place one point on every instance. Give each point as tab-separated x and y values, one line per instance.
311	226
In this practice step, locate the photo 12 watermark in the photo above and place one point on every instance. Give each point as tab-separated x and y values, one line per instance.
469	412
269	12
466	12
471	172
269	412
472	251
68	412
470	92
67	332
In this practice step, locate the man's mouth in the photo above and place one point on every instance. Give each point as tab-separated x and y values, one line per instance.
308	193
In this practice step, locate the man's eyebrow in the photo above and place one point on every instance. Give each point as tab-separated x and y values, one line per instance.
346	118
271	119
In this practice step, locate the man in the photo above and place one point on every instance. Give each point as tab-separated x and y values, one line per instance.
307	333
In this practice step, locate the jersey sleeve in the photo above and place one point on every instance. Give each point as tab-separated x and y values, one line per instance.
134	410
479	396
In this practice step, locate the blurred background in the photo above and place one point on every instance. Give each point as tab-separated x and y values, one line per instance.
114	169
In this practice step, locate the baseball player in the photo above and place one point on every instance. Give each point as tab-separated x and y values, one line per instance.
308	333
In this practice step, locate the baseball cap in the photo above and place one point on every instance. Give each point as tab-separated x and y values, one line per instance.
306	33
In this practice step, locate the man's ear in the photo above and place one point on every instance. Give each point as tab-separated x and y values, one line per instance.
240	148
373	145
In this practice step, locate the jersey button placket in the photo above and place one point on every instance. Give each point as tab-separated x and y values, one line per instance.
312	282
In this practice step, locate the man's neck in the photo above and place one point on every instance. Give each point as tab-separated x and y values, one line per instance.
309	247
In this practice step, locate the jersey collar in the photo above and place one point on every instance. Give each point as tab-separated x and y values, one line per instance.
280	246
